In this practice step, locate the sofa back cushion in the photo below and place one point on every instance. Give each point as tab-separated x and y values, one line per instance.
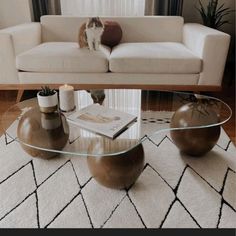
135	29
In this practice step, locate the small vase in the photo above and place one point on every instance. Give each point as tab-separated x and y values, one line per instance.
48	104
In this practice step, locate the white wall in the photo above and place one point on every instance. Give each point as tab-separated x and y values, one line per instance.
13	12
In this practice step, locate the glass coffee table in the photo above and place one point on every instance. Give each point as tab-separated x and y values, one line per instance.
192	122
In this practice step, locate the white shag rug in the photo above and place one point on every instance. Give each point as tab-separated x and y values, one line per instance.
173	191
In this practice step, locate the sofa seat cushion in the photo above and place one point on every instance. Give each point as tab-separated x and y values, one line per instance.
160	57
63	57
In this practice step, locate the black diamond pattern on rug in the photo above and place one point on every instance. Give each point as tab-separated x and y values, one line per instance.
174	190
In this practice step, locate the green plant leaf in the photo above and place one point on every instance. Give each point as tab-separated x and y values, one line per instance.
46	91
202	10
212	15
220	7
225	10
221	23
214	7
222	10
223	15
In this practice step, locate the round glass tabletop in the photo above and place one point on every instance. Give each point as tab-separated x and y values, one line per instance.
157	112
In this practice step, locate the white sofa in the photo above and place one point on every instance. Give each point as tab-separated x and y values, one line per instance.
155	52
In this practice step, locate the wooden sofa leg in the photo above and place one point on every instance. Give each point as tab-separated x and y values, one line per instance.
19	95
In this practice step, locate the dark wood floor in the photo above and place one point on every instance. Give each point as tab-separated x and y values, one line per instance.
8	98
228	95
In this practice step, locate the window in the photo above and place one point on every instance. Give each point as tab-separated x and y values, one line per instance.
103	7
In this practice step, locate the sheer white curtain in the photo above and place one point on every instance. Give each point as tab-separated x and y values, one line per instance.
103	7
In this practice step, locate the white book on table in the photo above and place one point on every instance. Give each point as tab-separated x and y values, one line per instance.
102	120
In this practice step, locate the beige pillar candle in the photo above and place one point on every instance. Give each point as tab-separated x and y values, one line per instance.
66	96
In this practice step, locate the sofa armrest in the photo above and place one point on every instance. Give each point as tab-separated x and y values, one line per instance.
13	41
212	47
25	36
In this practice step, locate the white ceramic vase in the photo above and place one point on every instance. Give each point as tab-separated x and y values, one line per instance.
47	104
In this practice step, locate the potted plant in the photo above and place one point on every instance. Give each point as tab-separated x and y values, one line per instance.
213	16
47	100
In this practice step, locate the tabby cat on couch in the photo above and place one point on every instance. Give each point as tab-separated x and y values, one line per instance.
90	33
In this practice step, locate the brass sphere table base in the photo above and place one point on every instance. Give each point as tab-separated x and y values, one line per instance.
196	142
119	171
47	131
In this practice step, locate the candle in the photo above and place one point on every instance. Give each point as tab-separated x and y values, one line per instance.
66	96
